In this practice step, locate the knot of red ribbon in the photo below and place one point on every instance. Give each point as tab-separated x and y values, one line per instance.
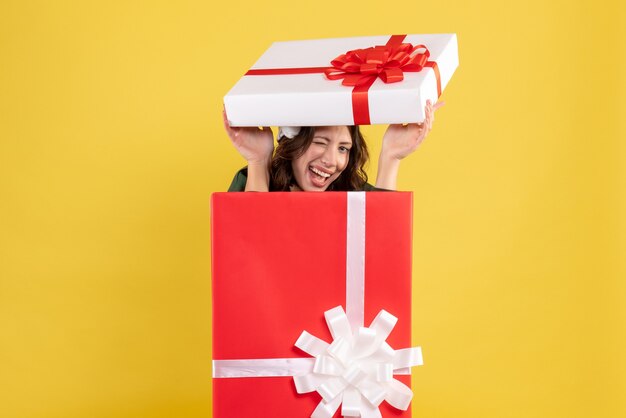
387	62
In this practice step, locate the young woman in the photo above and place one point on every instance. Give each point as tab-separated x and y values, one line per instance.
321	158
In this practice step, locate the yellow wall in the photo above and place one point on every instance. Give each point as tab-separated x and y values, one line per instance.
111	143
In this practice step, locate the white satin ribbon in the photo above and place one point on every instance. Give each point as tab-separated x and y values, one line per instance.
355	371
272	367
355	259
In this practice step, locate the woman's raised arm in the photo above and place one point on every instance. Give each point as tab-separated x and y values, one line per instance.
256	146
399	141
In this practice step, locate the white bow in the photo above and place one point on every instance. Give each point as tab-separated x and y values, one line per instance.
356	369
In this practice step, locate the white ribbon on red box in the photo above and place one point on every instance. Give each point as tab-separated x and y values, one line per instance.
356	370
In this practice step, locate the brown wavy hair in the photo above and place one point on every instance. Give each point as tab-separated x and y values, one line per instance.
353	177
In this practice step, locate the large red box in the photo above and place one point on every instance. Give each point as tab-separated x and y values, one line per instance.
279	262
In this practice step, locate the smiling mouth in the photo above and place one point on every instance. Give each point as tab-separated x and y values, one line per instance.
319	178
319	173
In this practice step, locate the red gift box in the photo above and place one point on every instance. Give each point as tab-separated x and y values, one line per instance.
280	261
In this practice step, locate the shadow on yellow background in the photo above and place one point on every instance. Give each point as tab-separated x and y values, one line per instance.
111	143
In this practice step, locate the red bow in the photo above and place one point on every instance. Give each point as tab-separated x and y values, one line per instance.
387	62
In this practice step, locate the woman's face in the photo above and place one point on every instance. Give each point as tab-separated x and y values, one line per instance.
324	160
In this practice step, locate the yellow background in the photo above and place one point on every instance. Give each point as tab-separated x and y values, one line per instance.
111	143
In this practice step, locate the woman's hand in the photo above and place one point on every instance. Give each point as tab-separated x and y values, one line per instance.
399	142
256	146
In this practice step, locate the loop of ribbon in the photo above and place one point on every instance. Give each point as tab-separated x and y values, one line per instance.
356	370
360	68
387	62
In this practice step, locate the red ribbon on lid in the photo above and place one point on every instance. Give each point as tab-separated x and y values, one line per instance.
360	68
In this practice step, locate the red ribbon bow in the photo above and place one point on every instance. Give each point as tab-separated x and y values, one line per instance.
387	62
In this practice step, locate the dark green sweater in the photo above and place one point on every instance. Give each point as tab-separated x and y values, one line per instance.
239	183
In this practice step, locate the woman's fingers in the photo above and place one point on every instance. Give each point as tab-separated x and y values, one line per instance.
435	107
225	119
429	116
229	129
